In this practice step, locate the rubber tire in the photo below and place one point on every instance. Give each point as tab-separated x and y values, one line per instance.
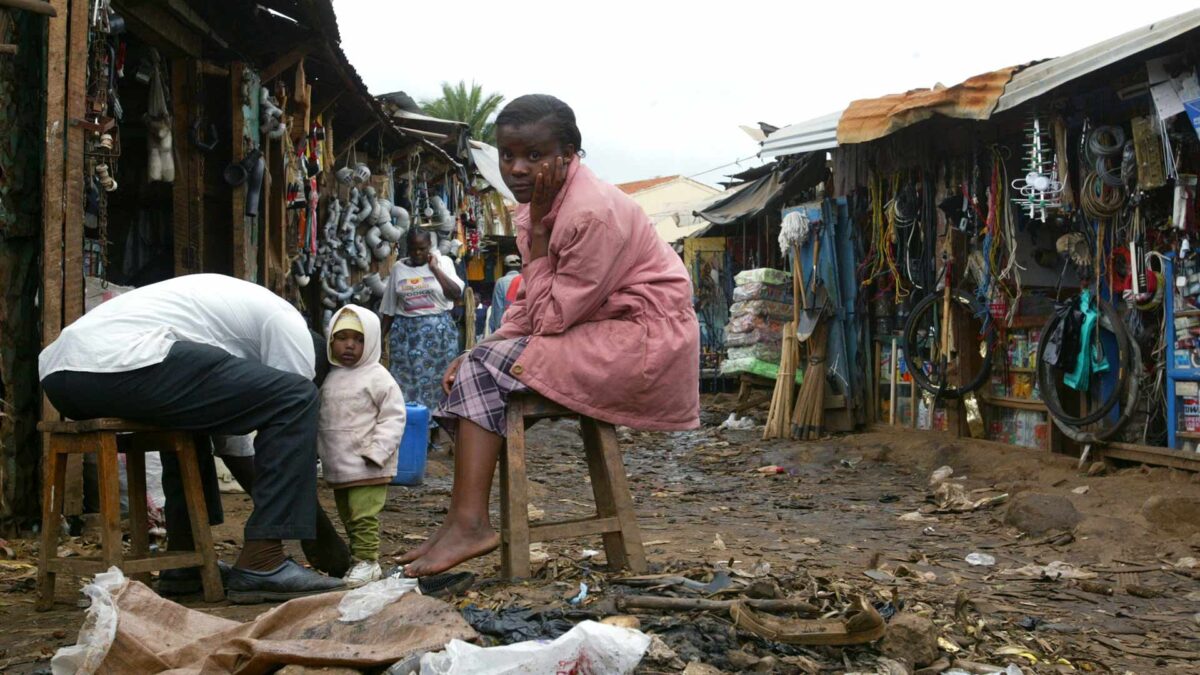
910	327
1132	387
1110	320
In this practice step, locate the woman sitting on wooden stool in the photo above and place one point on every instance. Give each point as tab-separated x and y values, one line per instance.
603	323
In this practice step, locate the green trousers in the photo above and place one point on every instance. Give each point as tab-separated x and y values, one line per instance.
359	509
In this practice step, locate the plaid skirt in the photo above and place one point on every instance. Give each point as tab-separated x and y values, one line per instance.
481	387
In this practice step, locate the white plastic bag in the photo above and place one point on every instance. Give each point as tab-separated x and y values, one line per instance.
590	648
366	601
98	631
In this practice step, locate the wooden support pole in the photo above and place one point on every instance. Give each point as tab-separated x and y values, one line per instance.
238	151
76	97
53	206
36	6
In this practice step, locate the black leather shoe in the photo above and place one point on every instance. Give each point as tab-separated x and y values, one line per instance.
186	580
288	581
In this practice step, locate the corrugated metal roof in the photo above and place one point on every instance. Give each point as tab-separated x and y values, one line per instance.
972	99
815	134
1049	75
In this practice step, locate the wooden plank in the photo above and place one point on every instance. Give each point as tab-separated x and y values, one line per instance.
54	476
152	22
574	528
238	151
132	564
284	62
76	98
1014	403
1149	455
36	6
111	549
53	206
187	191
7	49
193	492
514	497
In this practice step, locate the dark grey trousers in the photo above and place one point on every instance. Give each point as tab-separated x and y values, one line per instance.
206	389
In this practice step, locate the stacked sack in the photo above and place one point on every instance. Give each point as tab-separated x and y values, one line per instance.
754	335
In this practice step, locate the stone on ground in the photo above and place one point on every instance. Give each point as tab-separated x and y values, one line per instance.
911	639
1037	513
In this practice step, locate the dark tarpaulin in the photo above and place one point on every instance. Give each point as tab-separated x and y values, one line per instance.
769	191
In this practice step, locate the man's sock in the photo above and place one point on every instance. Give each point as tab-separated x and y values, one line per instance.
261	555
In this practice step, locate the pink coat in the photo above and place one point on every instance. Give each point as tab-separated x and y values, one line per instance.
609	312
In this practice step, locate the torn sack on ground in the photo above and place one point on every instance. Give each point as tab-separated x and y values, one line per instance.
155	635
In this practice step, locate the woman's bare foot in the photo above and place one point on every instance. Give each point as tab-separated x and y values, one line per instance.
409	556
456	545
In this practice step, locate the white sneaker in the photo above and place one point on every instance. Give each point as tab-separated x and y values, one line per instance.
363	572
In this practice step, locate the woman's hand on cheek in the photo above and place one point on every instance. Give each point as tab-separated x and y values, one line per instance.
549	180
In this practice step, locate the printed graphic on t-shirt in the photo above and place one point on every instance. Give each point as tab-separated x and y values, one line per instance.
417	294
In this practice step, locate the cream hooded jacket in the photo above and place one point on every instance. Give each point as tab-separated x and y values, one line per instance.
362	413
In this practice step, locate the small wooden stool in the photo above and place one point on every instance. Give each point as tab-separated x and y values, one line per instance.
615	517
100	436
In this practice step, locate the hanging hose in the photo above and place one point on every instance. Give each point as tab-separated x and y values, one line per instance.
1098	200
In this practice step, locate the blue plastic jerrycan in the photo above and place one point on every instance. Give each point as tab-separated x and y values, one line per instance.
413	447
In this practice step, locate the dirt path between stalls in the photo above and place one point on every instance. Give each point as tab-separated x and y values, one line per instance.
833	516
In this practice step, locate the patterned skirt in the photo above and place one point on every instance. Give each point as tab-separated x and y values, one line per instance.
481	388
422	347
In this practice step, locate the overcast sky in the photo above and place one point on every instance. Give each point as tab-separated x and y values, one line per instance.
660	86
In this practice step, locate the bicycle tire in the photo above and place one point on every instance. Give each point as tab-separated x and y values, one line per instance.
1128	406
912	327
1110	320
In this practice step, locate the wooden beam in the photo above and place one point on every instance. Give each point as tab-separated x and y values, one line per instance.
188	189
36	6
8	49
213	70
76	97
162	30
284	62
53	206
356	137
1176	459
196	22
238	150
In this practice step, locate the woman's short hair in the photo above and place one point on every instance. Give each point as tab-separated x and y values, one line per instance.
416	234
534	108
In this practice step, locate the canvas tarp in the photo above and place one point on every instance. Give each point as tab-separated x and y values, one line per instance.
768	192
155	635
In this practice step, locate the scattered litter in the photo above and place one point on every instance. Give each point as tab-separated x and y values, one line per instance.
588	553
623	621
981	559
739	423
535	514
917	517
538	555
771	470
511	625
1188	563
888	499
581	596
810	541
953	498
718	542
861	625
940	475
851	462
948	646
880	576
1055	570
589	647
366	601
98	631
1081	490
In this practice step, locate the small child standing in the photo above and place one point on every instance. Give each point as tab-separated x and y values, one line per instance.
361	423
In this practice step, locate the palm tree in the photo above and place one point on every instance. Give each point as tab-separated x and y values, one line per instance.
467	105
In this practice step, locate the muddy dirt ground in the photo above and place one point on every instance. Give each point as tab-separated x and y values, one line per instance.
849	515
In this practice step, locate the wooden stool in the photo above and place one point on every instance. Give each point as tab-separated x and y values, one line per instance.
100	436
615	517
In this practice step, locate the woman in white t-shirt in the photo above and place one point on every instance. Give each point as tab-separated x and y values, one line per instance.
422	337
